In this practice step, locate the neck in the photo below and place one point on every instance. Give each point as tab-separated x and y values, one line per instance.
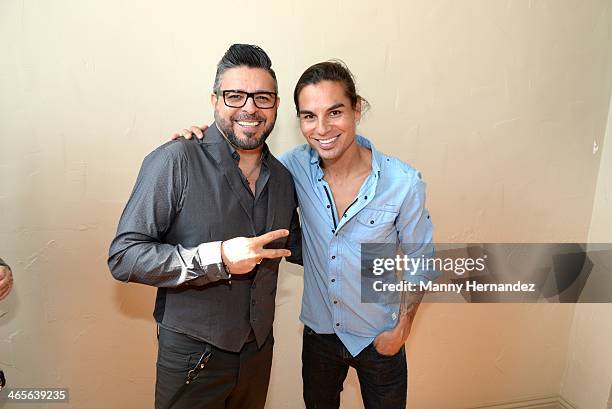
353	160
250	156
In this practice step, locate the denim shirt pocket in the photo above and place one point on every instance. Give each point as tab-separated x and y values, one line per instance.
374	226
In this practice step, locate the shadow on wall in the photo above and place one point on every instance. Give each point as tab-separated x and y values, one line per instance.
134	301
286	291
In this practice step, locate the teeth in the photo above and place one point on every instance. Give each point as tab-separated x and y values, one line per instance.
244	123
327	141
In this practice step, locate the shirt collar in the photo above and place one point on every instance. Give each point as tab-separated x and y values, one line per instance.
361	140
265	152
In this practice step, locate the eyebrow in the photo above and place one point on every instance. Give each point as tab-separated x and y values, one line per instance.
331	108
335	106
266	91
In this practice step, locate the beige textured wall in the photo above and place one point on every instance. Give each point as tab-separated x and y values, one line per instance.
588	377
497	102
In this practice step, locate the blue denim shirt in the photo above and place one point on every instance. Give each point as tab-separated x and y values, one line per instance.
389	208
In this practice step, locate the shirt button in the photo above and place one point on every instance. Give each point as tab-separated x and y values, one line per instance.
328	206
333	280
253	302
333	230
337	324
371	221
335	302
319	180
333	257
365	198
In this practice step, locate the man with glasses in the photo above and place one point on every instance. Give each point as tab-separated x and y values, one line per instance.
207	223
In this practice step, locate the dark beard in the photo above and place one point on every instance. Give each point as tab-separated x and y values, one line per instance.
250	143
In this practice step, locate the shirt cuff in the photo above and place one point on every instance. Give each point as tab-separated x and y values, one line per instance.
210	261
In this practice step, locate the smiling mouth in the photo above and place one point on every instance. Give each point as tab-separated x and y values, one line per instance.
249	124
326	143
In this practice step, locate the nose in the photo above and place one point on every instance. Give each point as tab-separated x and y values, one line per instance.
322	126
250	106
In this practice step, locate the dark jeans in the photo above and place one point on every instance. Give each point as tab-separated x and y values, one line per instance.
230	380
325	363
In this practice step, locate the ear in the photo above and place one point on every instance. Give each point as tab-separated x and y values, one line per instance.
277	101
213	99
358	110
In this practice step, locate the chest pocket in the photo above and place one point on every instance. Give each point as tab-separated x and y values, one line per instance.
374	226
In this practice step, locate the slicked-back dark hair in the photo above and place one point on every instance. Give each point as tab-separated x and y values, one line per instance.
243	55
332	70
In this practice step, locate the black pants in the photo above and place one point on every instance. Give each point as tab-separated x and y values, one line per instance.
230	380
325	363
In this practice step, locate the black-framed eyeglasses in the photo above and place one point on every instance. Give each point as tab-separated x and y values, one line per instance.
237	99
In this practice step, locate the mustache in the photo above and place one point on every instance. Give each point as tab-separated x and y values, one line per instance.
249	117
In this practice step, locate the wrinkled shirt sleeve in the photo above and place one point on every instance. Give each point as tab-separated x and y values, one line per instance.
138	252
415	230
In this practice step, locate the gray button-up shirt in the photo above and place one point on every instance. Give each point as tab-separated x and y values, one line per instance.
188	198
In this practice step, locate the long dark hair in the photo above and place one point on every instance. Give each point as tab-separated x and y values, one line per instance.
333	70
